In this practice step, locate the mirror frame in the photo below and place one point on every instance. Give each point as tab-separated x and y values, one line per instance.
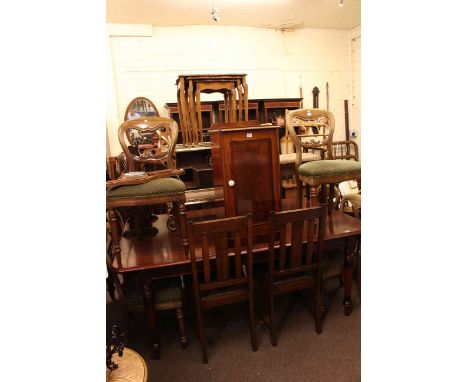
137	98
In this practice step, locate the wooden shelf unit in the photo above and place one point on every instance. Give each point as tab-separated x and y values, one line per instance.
208	117
253	110
277	106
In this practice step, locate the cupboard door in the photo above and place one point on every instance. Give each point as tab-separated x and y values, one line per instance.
251	170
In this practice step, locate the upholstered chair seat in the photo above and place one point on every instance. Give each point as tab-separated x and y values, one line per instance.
327	168
166	291
156	187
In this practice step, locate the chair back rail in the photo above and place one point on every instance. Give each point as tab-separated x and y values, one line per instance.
303	225
316	128
149	140
345	150
218	239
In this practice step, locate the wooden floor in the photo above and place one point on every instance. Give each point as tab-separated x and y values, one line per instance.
165	250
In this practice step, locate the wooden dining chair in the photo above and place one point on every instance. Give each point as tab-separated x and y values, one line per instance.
298	267
226	276
168	296
151	142
312	129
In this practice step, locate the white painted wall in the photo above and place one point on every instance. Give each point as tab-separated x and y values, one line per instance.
355	119
148	64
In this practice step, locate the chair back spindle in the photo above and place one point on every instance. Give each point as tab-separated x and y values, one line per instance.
221	251
305	225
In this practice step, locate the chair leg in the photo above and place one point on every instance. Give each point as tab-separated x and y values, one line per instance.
172	214
348	279
318	303
331	195
357	270
180	320
299	193
253	333
314	196
201	332
272	319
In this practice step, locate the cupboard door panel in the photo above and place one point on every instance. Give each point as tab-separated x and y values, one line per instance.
251	170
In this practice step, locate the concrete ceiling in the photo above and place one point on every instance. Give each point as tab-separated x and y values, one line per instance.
278	14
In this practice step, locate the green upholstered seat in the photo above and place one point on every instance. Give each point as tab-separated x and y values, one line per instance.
163	186
164	291
327	168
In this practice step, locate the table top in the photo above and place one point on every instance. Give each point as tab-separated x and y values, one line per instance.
132	368
165	249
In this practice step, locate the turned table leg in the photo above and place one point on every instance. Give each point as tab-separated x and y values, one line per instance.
348	278
246	99
115	236
182	210
148	301
192	112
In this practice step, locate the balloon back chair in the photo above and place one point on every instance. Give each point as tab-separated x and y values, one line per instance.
151	142
312	129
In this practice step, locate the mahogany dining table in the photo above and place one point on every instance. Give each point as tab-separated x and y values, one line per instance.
163	255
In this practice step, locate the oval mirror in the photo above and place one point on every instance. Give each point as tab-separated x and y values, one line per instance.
140	107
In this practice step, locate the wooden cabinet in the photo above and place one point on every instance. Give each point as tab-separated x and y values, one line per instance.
245	159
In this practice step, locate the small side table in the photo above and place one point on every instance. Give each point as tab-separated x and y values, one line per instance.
132	368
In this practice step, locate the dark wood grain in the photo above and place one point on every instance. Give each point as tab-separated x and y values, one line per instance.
296	270
247	156
220	287
165	252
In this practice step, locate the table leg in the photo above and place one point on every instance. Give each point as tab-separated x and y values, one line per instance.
148	301
246	99
233	105
115	236
226	107
181	117
185	112
192	113
199	115
240	106
182	210
348	278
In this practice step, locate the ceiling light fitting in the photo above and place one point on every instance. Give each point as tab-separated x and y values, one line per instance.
215	13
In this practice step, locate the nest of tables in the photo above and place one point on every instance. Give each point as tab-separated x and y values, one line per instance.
189	88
